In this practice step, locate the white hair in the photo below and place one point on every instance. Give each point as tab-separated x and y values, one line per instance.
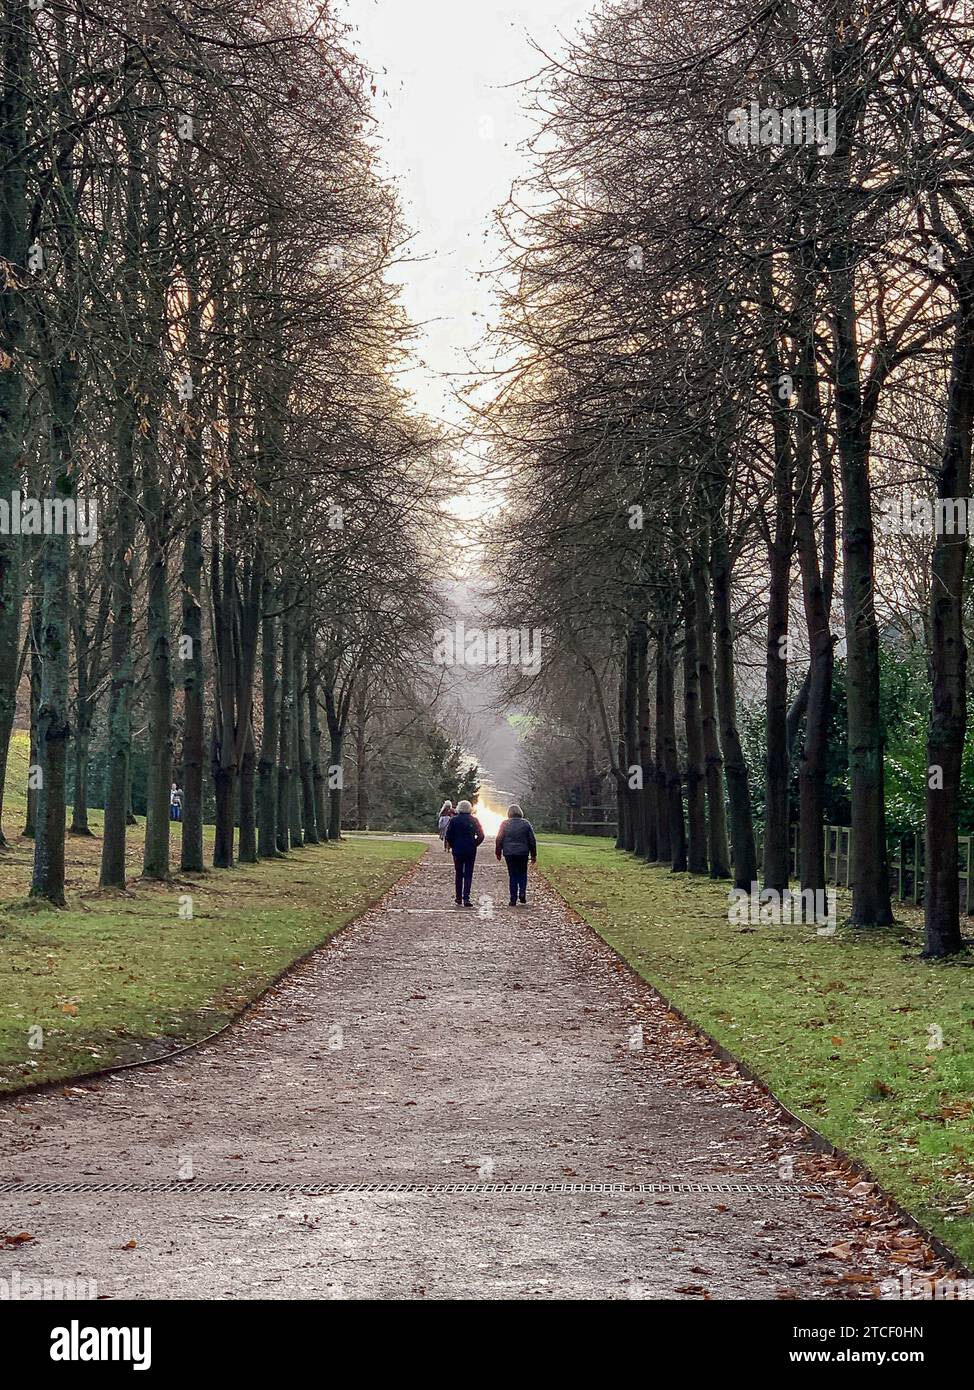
464	806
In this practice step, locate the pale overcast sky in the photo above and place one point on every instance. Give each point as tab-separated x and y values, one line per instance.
449	107
451	122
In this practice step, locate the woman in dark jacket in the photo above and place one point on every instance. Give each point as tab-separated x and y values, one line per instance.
515	840
463	835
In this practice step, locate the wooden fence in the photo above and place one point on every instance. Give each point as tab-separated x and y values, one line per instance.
905	858
591	820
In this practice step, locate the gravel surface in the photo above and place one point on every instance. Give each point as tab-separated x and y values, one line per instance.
429	1045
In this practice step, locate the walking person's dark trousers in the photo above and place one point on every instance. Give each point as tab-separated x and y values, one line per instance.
517	873
463	864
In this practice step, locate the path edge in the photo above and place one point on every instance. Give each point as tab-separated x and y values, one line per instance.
34	1088
812	1137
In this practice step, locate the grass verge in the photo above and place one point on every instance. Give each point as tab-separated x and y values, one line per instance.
858	1037
116	977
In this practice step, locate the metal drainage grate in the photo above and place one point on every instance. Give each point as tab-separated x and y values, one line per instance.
435	1189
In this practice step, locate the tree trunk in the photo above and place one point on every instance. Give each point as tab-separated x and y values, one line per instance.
817	598
777	769
155	862
287	714
147	233
776	868
665	682
53	729
717	849
247	838
696	806
743	848
622	790
335	786
308	810
362	760
118	766
119	732
948	656
82	749
249	629
871	904
191	644
635	838
314	729
361	777
647	796
664	850
131	818
294	789
267	764
13	398
224	797
36	666
53	726
191	574
223	760
223	590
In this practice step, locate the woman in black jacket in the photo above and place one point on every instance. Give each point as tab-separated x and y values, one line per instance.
515	840
463	835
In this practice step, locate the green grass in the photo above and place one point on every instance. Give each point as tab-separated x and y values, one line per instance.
114	977
841	1028
15	790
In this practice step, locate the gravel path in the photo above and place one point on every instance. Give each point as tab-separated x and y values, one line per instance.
431	1046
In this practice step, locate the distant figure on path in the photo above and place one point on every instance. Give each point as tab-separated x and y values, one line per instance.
463	835
515	840
446	815
175	802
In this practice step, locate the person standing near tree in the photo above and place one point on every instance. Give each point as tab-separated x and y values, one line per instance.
516	841
463	835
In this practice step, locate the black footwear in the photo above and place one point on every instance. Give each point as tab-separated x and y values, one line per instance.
524	902
458	902
468	904
512	903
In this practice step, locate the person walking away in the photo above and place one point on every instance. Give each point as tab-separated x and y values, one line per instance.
463	835
446	815
515	840
175	802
